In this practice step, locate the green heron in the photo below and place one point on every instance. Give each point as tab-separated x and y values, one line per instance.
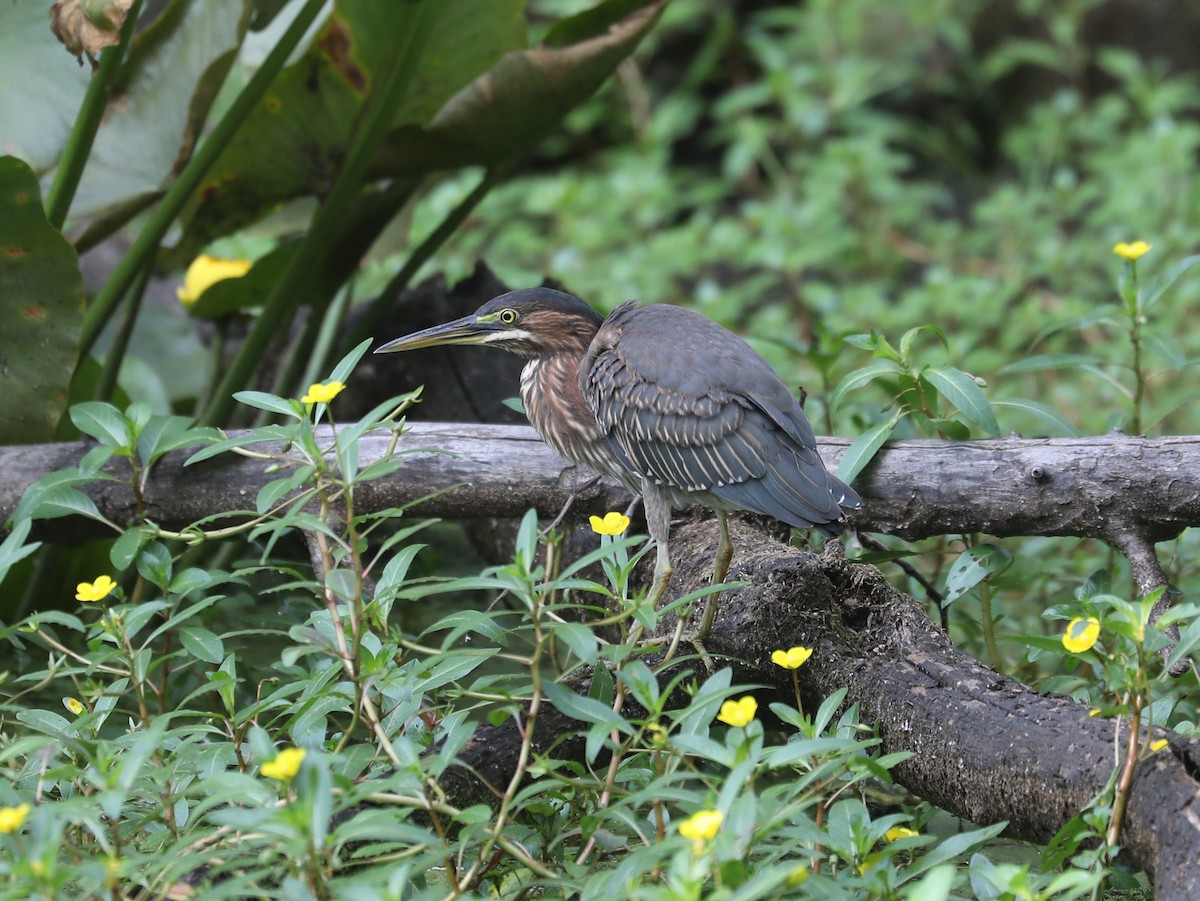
672	405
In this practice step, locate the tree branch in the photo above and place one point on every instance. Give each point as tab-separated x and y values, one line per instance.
915	489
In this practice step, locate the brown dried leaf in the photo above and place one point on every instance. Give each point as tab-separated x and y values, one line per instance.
88	26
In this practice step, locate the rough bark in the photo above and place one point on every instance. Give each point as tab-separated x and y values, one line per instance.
1109	487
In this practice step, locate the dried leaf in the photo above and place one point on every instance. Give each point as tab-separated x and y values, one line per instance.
88	26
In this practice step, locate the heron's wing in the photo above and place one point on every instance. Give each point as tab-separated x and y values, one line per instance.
676	396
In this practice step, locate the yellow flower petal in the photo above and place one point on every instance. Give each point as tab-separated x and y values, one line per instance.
95	591
74	705
205	272
1081	634
319	393
1095	711
1158	744
1132	250
613	523
702	827
792	658
738	713
285	765
12	818
898	832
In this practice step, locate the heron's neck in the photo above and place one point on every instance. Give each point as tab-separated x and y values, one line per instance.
556	407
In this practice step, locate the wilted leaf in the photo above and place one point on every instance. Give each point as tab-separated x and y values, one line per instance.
88	26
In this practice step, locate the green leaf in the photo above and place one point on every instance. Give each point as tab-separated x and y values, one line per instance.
125	549
973	566
42	86
271	433
154	564
906	341
202	644
163	434
860	454
1152	290
13	549
104	422
509	109
174	70
41	306
1039	411
1050	361
580	639
262	401
860	377
584	709
963	391
302	129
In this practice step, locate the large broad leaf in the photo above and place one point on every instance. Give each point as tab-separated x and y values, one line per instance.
175	69
41	306
505	112
41	85
293	144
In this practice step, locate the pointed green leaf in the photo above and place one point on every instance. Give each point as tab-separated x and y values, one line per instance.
1040	411
962	391
860	377
1153	289
973	566
860	454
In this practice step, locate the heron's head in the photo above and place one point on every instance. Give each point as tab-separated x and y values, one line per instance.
532	322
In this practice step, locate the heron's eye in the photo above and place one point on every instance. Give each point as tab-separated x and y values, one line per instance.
508	317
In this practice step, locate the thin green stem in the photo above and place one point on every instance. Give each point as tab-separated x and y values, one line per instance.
989	626
369	322
373	124
120	344
147	242
87	123
1135	337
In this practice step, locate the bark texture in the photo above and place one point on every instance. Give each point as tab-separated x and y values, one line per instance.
1110	487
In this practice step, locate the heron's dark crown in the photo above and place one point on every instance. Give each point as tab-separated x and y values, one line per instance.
548	321
530	300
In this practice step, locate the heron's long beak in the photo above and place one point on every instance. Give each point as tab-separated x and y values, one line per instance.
461	331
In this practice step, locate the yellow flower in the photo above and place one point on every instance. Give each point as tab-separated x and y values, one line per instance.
792	658
613	523
1081	634
898	832
701	827
657	735
739	712
74	705
1158	744
285	765
322	393
1095	711
1132	250
798	875
205	272
12	818
95	591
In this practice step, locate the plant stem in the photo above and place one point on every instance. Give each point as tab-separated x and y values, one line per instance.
370	320
116	352
375	119
87	123
147	241
989	628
